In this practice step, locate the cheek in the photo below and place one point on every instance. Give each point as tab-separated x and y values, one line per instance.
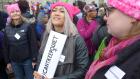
62	22
51	15
63	16
19	13
115	31
91	14
62	19
11	14
119	28
15	14
123	25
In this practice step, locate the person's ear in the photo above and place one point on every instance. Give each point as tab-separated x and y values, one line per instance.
133	20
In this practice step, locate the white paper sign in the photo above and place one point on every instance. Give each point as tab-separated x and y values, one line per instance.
114	73
52	54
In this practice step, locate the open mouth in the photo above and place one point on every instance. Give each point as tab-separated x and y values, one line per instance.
56	18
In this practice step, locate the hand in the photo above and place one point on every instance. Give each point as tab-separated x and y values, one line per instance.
46	78
9	67
37	75
33	64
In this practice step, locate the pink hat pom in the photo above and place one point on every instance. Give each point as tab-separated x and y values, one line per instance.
129	7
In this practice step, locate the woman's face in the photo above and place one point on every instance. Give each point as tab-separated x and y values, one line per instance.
15	15
92	13
58	16
119	25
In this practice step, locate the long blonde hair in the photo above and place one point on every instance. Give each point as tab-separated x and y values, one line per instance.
69	27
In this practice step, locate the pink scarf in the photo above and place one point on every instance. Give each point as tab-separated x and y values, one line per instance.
109	55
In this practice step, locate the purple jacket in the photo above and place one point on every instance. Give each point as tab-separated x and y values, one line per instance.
86	30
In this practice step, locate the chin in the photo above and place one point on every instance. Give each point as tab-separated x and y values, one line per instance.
57	24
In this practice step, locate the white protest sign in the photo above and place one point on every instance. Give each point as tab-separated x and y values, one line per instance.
52	54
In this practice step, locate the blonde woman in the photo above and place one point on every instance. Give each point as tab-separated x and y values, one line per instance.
75	51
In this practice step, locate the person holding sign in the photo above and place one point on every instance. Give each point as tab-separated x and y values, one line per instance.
118	56
19	44
74	59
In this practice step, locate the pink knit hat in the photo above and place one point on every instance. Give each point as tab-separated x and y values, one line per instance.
129	7
12	7
72	10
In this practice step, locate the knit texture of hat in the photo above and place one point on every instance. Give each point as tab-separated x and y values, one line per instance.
129	7
72	10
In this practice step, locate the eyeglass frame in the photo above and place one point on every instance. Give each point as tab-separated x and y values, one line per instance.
108	10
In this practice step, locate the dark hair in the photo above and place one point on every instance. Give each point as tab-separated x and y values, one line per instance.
74	4
80	4
93	2
23	5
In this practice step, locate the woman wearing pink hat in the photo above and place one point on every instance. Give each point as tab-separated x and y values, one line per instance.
120	59
19	44
75	51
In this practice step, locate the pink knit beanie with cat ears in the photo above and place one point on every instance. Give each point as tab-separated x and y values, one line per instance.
12	7
129	7
72	10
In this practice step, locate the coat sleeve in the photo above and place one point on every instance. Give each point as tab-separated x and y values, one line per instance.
32	42
81	61
5	48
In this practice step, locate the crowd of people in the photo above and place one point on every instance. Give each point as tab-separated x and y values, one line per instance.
102	41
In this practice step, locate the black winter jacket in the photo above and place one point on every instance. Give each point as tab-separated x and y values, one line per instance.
128	61
19	43
128	58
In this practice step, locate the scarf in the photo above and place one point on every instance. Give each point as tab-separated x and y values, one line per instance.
109	54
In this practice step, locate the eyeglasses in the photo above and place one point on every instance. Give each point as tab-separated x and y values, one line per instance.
108	10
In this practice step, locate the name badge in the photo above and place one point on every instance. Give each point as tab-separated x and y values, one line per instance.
114	73
17	36
62	58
